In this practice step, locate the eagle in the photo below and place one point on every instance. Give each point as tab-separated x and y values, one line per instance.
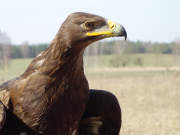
52	96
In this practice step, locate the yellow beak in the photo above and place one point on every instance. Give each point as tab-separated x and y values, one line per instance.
110	30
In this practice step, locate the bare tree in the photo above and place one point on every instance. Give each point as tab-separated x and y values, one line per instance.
5	50
119	48
176	50
25	50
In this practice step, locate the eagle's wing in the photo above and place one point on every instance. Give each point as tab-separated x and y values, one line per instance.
4	100
2	115
102	115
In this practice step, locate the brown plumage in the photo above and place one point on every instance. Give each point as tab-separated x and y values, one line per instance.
50	97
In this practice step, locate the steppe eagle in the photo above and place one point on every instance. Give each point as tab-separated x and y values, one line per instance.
51	96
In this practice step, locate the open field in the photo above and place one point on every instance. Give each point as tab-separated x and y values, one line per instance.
149	100
149	96
133	60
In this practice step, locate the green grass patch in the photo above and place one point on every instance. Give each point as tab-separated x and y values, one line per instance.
131	60
18	66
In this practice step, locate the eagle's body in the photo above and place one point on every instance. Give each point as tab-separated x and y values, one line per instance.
51	95
49	89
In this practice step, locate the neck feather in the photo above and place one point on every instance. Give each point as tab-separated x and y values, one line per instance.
59	58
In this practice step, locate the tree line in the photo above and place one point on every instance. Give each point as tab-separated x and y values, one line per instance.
132	47
100	48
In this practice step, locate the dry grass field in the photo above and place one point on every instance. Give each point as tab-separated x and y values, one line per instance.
150	100
149	97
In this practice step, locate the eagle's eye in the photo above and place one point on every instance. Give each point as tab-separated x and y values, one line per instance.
90	25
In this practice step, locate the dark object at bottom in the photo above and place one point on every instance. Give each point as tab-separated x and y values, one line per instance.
102	115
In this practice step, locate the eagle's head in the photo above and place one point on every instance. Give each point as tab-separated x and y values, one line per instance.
81	29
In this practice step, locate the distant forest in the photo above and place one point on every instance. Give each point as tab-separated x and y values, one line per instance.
106	47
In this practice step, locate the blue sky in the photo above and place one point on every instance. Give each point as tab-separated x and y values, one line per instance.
37	21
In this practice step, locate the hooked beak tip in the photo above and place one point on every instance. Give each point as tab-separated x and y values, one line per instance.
123	32
119	30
